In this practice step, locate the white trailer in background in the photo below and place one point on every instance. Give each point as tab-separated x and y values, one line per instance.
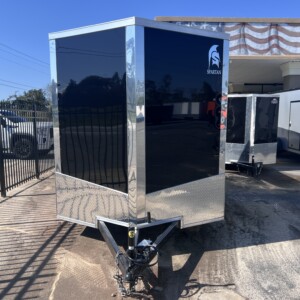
289	121
251	139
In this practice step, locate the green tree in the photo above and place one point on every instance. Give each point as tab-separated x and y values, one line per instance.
30	97
33	96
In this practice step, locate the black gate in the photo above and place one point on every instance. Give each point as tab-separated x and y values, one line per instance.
26	143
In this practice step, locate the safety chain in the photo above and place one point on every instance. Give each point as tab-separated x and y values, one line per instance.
121	288
119	278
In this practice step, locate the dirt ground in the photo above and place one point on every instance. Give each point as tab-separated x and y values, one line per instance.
253	254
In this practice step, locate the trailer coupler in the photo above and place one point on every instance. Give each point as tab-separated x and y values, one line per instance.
132	263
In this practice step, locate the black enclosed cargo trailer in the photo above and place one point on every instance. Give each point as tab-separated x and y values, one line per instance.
140	126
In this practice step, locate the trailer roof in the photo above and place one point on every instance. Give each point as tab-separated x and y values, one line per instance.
138	22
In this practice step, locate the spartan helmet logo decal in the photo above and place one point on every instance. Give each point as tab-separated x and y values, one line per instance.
213	56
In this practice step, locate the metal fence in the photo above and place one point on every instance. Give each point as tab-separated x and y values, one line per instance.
26	143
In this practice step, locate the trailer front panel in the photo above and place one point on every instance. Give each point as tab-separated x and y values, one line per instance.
134	136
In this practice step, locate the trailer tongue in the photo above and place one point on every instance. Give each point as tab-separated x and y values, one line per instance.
136	259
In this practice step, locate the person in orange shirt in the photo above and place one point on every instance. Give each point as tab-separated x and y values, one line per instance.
211	106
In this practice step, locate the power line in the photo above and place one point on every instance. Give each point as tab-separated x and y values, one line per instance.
89	54
17	83
15	87
93	51
22	53
19	56
23	65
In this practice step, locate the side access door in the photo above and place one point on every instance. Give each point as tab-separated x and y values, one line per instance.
294	126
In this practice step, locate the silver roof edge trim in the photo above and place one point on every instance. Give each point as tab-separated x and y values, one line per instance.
139	22
181	28
92	28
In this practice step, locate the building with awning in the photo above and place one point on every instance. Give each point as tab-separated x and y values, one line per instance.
264	53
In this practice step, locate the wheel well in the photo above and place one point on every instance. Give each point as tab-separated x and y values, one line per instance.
16	137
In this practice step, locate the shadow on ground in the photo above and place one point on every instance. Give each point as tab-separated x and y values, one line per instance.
30	253
32	241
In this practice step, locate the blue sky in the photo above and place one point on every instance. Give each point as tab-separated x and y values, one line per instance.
25	26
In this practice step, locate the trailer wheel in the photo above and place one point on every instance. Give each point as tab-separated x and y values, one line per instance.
23	148
279	145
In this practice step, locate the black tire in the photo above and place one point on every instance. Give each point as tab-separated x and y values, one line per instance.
279	145
23	148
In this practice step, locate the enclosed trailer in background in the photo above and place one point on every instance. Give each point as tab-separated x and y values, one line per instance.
251	137
289	121
134	143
